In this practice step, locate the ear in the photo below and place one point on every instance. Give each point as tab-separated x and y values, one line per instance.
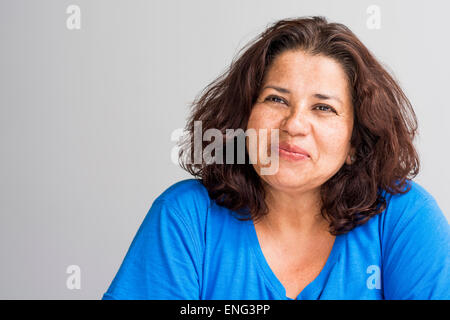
348	161
350	157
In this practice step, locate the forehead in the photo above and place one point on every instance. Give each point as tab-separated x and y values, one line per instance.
303	72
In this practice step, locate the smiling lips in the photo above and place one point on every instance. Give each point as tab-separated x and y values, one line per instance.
292	152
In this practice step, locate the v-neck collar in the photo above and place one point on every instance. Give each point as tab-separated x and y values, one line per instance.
313	289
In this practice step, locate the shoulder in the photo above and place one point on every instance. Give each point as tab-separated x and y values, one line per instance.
415	246
186	200
417	203
185	193
184	188
416	193
415	215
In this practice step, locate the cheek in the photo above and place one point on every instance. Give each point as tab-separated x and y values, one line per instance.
334	141
263	117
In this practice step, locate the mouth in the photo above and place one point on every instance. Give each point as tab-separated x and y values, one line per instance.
292	152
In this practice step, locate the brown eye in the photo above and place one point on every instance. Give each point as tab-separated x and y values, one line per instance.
326	108
275	99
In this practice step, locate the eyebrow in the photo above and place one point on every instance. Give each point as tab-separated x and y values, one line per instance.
317	95
280	89
327	97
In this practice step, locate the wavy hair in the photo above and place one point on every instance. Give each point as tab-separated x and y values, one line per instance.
384	125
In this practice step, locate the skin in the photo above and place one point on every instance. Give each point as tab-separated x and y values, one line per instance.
293	236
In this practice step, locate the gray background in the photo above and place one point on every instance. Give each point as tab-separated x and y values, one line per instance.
87	115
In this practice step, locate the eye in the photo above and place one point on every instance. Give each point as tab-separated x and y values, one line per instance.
324	107
275	99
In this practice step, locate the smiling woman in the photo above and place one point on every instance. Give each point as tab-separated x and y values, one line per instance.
340	218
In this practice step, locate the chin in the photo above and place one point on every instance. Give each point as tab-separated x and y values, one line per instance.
285	180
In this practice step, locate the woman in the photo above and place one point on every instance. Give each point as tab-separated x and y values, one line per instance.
339	218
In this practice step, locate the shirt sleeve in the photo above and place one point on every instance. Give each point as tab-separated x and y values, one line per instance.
163	261
416	253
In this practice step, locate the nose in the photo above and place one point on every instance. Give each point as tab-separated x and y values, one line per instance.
296	122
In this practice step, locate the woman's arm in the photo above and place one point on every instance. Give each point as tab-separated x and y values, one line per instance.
416	248
163	261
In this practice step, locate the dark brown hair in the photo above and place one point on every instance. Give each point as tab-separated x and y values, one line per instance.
384	125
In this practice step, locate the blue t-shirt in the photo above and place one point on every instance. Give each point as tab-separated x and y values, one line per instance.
188	247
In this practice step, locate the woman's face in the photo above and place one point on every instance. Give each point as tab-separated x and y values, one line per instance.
308	100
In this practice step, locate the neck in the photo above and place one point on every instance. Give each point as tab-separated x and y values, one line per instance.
294	213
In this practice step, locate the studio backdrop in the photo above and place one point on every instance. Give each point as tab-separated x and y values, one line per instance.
93	94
